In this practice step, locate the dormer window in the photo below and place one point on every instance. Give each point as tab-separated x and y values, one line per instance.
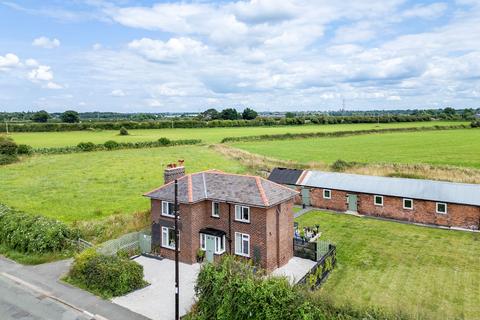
242	213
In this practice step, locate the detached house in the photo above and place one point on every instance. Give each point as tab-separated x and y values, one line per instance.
224	213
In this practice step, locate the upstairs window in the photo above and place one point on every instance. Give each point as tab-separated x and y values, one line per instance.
216	209
327	194
167	209
378	200
242	213
408	204
442	208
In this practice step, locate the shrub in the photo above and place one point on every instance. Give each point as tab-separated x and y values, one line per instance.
7	159
28	233
86	146
110	145
123	131
24	149
164	141
475	124
108	276
341	165
7	146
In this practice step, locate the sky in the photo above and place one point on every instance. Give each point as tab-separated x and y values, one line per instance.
272	55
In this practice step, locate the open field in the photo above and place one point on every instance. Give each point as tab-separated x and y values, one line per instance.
422	272
87	186
449	147
208	135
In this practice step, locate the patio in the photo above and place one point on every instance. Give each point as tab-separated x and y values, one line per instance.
295	269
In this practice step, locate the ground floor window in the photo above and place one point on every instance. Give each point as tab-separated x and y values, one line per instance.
242	244
219	243
408	204
327	194
378	200
168	238
441	207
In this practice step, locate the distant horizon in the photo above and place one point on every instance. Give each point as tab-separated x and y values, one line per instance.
147	56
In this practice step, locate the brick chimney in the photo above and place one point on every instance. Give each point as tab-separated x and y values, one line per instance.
173	172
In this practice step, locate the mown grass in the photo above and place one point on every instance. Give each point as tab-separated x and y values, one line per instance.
208	135
33	259
450	147
95	185
423	272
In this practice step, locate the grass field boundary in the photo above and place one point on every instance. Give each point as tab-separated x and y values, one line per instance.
336	134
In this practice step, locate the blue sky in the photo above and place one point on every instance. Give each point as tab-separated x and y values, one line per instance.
159	56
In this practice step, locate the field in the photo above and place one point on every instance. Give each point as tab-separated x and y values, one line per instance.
449	147
208	135
422	272
87	186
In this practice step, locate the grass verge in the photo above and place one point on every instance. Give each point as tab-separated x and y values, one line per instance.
33	259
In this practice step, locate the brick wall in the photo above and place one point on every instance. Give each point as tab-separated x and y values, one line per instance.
463	216
262	230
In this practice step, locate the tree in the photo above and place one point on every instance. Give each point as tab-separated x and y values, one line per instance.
289	115
229	114
210	114
70	116
40	116
123	131
249	114
449	111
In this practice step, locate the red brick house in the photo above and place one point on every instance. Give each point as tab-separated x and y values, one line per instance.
414	200
224	213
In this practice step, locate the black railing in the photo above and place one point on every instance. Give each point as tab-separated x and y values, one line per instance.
320	271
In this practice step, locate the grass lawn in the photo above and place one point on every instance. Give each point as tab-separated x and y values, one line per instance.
94	185
423	272
450	147
209	135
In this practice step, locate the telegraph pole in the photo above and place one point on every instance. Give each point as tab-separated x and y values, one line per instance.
177	315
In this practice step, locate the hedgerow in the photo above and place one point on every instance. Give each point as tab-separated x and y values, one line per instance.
107	276
27	233
286	136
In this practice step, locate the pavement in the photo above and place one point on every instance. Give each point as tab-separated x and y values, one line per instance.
44	280
157	301
303	211
295	269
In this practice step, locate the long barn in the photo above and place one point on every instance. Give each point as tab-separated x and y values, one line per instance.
415	200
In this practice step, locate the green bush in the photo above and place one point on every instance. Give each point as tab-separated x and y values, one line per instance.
164	141
107	276
341	165
86	146
7	146
7	159
111	145
24	149
475	124
123	131
27	233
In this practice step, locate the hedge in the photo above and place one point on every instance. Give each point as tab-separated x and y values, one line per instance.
193	123
286	136
27	233
113	145
107	276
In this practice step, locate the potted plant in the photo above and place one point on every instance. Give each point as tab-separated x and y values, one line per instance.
200	255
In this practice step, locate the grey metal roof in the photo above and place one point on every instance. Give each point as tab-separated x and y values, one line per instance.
224	187
461	193
285	176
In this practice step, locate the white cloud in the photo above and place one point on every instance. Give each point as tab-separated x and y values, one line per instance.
46	43
31	62
431	11
117	93
53	85
41	73
10	60
164	51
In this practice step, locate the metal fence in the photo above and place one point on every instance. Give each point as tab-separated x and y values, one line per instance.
320	271
135	242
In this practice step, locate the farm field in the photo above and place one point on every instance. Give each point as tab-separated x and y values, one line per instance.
86	186
208	135
423	272
450	147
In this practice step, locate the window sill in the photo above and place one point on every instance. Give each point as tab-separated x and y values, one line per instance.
170	248
167	215
242	255
242	221
216	217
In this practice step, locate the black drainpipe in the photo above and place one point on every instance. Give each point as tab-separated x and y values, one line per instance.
230	228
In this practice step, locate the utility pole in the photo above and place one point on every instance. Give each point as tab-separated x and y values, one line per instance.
177	315
6	125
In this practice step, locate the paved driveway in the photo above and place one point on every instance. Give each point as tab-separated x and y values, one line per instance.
157	301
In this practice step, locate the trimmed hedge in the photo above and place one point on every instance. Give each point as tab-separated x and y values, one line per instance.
107	276
287	136
27	233
113	145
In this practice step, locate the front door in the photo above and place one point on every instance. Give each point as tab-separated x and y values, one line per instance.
305	196
209	247
352	202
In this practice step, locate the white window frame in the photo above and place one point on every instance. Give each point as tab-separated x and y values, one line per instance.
239	209
166	240
405	207
213	209
440	212
165	208
375	200
240	251
329	194
218	243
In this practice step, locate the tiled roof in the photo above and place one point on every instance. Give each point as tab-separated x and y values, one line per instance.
224	187
285	176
